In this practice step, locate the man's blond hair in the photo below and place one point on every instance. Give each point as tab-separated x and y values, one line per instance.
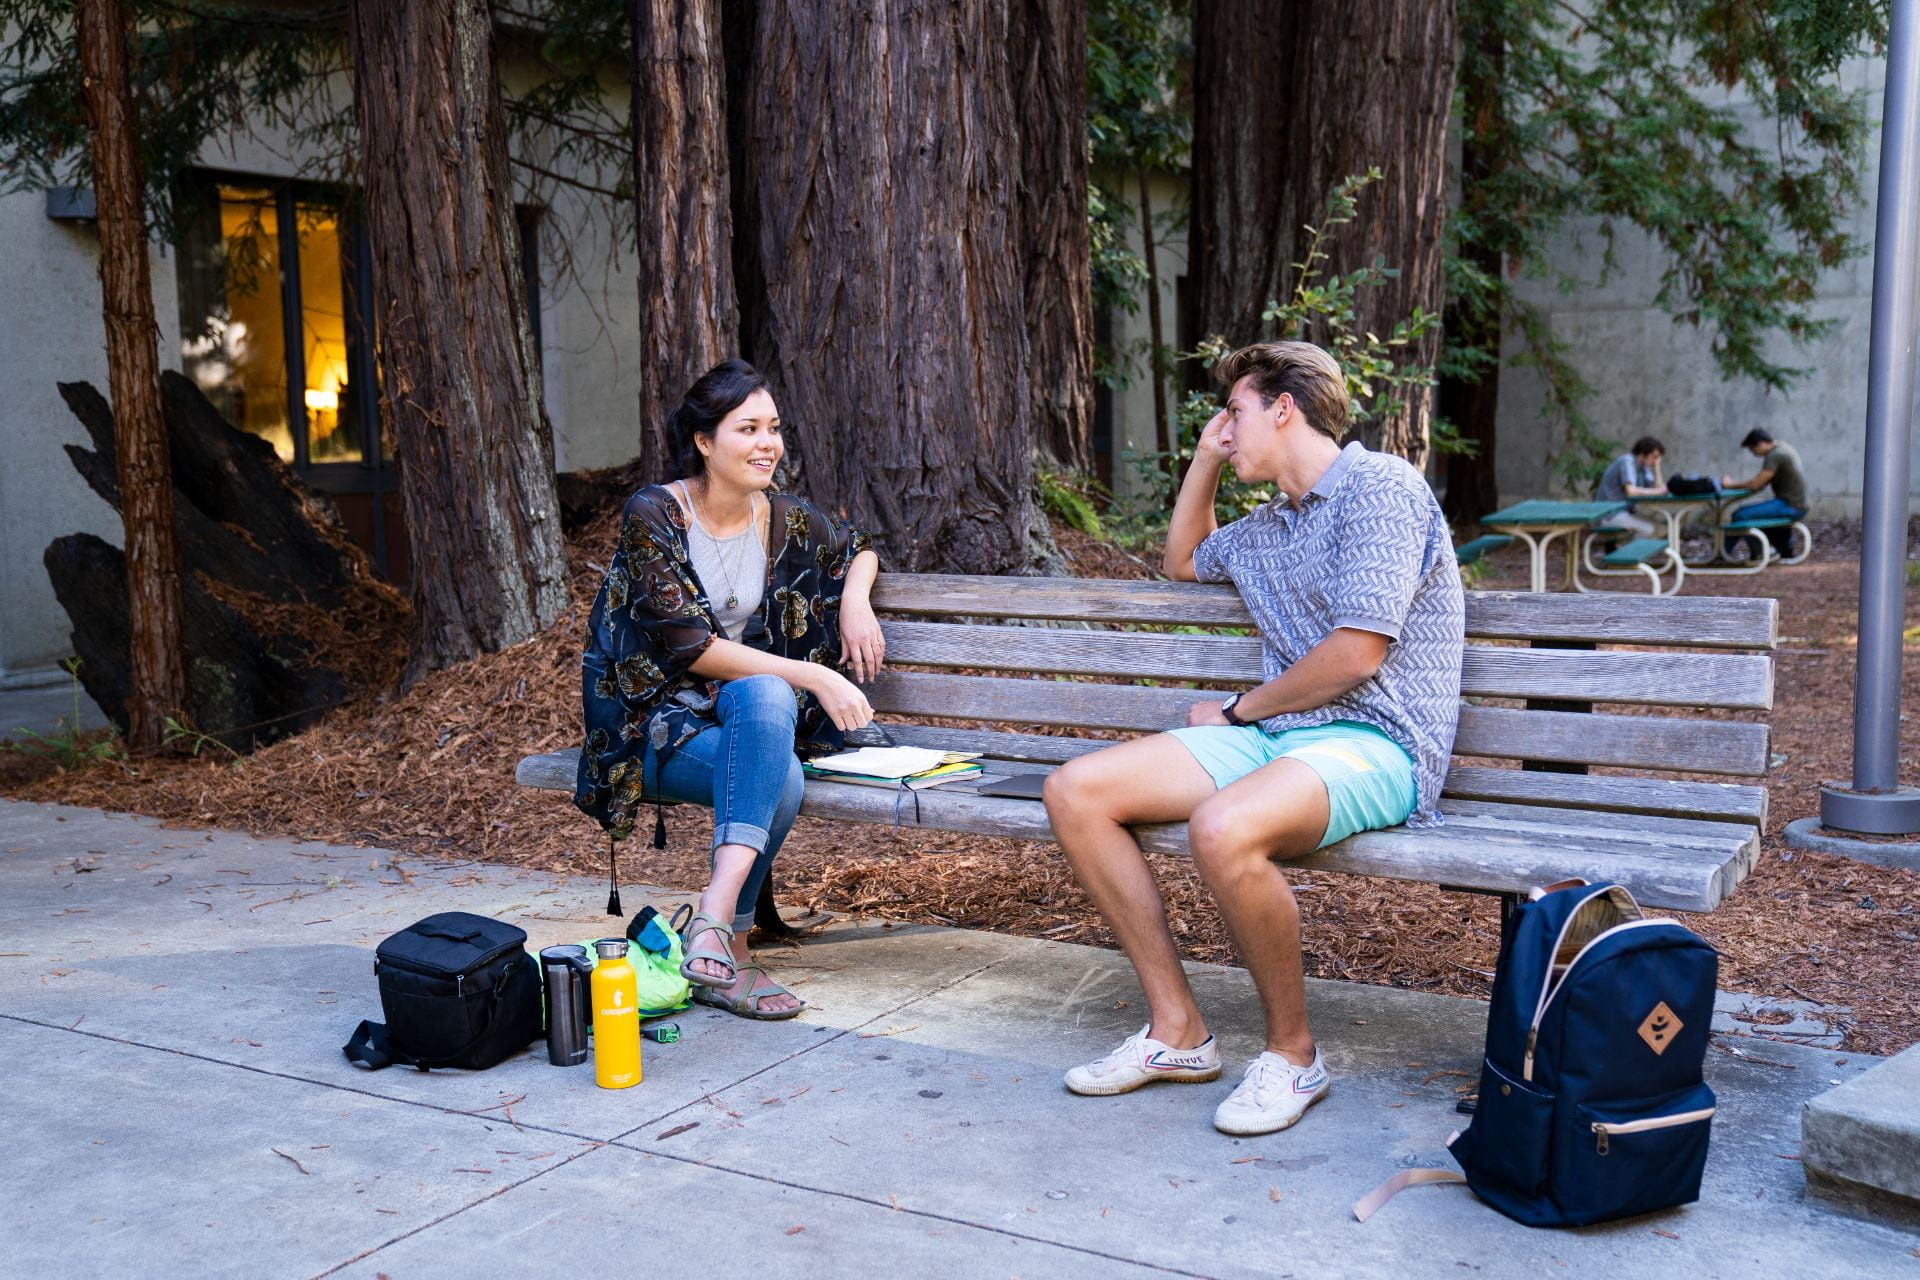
1299	369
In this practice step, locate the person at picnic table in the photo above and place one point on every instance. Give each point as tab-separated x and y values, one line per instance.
710	659
1779	467
1349	576
1634	474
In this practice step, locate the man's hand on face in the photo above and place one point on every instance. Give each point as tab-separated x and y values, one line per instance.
1209	447
1203	713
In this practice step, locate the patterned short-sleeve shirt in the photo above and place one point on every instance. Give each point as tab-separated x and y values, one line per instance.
1366	548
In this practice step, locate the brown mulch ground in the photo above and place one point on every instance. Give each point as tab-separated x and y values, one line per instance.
431	770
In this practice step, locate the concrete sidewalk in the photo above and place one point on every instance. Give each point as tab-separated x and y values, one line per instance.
172	1005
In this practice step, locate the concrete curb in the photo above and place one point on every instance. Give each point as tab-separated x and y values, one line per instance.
1807	833
1866	1132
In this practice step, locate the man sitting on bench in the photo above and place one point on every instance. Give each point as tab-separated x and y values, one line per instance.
1349	575
1779	467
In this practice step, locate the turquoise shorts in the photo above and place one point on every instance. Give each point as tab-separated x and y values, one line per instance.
1368	776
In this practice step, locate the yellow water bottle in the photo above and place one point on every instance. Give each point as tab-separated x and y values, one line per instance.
616	1017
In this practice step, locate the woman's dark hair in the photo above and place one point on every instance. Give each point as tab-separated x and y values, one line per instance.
720	391
1646	445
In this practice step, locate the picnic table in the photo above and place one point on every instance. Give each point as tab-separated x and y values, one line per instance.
1538	521
1676	509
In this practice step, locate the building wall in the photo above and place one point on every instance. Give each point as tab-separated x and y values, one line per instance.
50	296
1133	425
1653	377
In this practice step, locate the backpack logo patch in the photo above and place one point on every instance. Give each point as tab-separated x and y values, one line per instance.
1660	1027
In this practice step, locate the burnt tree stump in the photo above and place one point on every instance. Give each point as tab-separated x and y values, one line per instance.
284	617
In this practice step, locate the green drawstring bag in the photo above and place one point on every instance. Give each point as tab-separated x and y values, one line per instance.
655	951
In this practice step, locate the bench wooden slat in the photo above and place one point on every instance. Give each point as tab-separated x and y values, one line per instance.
1690	746
1680	865
1469	853
1666	797
1710	622
1633	742
1733	680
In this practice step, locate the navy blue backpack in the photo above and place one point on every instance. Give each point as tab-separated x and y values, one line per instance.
1592	1105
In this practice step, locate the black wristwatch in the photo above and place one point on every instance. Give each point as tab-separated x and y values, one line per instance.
1226	710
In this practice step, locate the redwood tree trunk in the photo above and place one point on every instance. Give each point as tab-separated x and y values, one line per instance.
1289	99
461	382
883	144
689	319
1050	94
1472	404
156	652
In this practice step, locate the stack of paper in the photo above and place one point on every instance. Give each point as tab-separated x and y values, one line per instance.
914	768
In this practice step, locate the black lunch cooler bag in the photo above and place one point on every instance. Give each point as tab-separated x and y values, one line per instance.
458	990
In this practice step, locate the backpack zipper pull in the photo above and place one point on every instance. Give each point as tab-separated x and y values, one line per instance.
1600	1138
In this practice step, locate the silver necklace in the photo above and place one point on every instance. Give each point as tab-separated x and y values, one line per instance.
720	547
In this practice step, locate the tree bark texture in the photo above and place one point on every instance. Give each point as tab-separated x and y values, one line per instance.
885	152
1156	327
689	318
460	377
1290	98
1049	43
155	653
1472	405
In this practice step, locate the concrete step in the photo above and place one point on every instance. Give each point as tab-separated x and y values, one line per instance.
1865	1134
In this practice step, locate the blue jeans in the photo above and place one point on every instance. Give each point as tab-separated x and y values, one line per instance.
745	769
1770	509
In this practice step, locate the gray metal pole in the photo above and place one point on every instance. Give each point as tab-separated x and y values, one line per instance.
1876	802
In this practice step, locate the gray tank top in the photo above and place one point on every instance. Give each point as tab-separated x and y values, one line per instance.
733	570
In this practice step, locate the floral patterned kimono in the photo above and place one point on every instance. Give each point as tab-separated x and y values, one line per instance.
653	618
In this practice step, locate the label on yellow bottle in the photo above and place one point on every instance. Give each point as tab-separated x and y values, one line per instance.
616	1024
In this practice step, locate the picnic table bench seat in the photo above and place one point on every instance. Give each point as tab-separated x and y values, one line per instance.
1470	552
1010	655
1639	551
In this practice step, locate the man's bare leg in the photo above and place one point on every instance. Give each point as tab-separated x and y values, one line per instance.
1277	811
1090	802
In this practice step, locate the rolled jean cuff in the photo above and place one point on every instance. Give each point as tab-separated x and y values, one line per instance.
743	833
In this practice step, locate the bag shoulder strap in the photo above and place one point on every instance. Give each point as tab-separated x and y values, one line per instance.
368	1047
1367	1205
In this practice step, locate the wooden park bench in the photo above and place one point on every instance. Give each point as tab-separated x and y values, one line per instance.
1008	655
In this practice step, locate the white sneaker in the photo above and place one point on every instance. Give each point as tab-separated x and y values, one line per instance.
1272	1096
1139	1060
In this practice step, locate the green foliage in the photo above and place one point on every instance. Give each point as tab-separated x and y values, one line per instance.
182	736
199	70
575	115
1620	111
1321	307
68	747
1138	118
1069	499
204	70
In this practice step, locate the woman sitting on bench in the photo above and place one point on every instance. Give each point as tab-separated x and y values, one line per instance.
709	661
